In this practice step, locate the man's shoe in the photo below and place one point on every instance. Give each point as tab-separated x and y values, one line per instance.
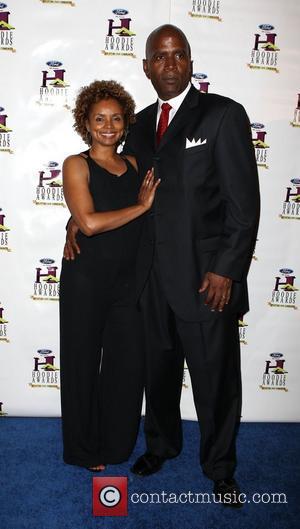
147	464
227	492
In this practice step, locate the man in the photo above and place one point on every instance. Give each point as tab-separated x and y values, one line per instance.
194	258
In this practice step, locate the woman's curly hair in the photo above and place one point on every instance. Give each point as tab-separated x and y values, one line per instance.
93	93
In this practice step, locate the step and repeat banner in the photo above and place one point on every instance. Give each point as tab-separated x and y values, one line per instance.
248	51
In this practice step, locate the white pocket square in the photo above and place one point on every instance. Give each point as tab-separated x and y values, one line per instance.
194	143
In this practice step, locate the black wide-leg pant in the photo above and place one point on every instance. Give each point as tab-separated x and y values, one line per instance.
102	367
212	353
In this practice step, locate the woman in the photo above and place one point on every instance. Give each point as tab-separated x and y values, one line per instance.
100	329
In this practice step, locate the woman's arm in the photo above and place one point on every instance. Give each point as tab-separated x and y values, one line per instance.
80	202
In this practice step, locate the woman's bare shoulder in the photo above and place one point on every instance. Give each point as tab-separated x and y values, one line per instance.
75	161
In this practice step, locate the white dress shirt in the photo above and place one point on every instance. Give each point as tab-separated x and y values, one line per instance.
175	103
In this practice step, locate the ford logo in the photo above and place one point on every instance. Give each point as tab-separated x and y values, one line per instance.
276	355
257	126
120	12
47	261
54	64
266	27
199	76
52	164
295	181
2	6
44	351
286	271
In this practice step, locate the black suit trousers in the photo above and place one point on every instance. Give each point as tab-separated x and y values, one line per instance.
212	354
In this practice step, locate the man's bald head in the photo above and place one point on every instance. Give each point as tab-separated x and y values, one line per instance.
165	29
168	62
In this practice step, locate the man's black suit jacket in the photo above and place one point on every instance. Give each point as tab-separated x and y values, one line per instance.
206	209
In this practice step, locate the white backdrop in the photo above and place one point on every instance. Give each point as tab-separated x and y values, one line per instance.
48	49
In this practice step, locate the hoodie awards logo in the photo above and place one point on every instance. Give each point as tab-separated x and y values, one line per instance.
206	9
3	326
291	204
200	82
49	190
260	145
6	30
120	37
2	412
5	133
46	285
4	232
264	54
296	120
242	330
45	373
54	89
274	376
64	2
284	293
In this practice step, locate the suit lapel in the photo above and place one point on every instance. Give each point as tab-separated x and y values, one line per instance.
182	116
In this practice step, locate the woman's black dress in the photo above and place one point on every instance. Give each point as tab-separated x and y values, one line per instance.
100	331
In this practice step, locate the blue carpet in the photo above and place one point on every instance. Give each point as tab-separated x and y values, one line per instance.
38	491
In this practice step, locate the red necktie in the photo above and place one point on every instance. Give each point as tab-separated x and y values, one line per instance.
163	121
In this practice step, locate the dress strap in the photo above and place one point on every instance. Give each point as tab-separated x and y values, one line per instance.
128	163
85	154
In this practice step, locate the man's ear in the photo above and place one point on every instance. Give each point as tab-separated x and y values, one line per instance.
145	68
192	69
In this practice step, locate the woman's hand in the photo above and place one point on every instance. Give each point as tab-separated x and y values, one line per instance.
147	190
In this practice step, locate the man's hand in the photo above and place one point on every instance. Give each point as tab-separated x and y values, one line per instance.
218	290
71	247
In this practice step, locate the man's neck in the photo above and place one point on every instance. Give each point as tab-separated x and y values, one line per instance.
176	101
